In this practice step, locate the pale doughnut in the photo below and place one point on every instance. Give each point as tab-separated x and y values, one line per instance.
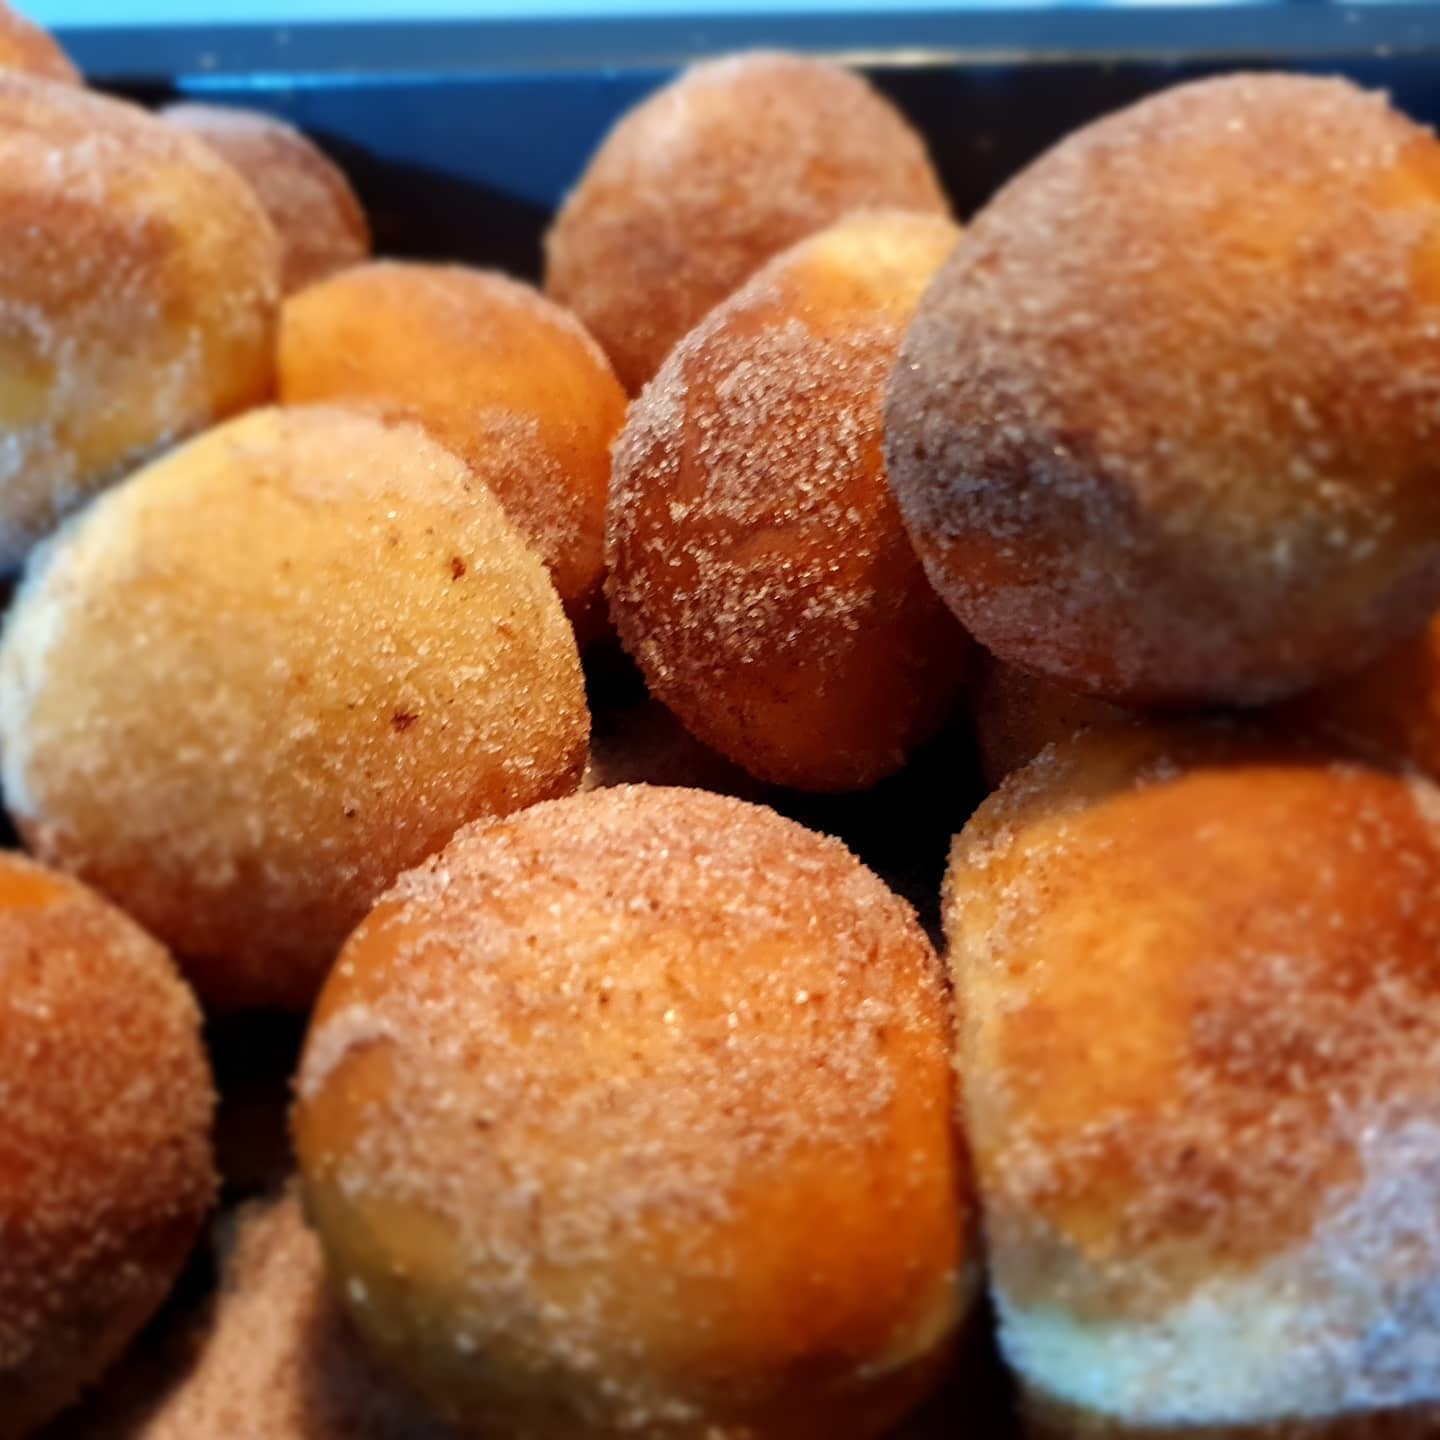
1200	980
631	1115
139	280
248	687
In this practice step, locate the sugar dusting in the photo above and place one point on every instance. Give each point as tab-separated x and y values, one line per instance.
758	563
100	1200
707	179
508	380
280	1362
633	1007
308	199
1252	1236
25	47
1166	425
245	739
138	285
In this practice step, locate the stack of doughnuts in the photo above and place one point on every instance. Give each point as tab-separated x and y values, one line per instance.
520	1088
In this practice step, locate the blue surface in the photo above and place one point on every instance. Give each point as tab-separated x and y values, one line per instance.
191	12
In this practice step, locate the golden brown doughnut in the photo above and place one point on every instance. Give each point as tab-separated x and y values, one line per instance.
631	1115
139	280
505	379
105	1111
1200	979
310	202
1166	428
279	1361
30	50
760	574
703	182
248	687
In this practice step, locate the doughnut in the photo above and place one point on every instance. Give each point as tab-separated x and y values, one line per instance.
315	212
279	1362
1200	984
245	689
139	286
26	48
105	1112
1165	427
710	177
508	381
760	574
1017	715
631	1115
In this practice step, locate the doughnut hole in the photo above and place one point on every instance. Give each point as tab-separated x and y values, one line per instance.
1165	427
139	282
1201	1003
251	685
105	1161
311	204
710	177
507	380
760	574
680	1158
26	48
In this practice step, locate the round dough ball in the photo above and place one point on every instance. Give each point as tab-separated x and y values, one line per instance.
315	212
703	182
632	1114
26	48
1199	976
495	372
105	1111
1017	715
248	687
279	1361
760	573
1165	427
139	282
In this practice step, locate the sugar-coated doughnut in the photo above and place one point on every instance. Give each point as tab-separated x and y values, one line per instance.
25	47
506	379
1199	976
279	1361
1166	428
1017	715
139	280
631	1115
105	1162
703	182
248	687
760	574
310	202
